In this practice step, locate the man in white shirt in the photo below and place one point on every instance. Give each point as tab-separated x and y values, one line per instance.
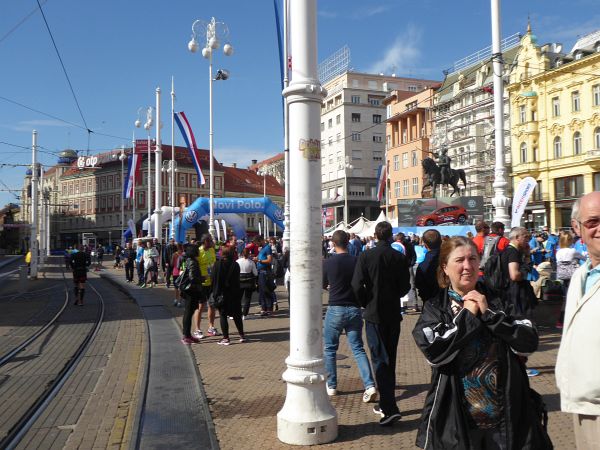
578	361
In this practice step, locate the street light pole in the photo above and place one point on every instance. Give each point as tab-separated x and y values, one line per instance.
158	165
264	175
500	200
214	31
122	158
286	137
33	242
173	163
307	417
347	166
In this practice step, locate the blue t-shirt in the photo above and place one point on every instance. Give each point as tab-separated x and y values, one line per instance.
139	254
420	251
262	255
399	247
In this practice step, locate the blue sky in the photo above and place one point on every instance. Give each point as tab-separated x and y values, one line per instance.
116	54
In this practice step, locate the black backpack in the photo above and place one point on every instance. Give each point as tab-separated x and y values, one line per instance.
493	275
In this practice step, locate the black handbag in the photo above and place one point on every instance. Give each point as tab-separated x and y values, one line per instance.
184	281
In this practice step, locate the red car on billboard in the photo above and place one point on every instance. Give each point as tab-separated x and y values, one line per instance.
447	214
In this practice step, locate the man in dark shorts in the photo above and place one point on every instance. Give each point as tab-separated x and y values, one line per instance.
80	261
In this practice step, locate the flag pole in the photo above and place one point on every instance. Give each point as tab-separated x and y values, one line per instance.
172	185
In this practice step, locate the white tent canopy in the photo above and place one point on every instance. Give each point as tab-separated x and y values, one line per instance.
340	226
370	229
359	226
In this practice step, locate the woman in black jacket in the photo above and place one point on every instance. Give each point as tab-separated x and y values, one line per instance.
192	294
226	282
480	396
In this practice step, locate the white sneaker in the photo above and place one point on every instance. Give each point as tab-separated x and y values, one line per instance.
198	334
370	395
331	391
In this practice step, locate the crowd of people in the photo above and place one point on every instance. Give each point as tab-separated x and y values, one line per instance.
476	335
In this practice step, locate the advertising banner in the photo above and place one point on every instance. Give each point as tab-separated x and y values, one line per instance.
520	199
439	211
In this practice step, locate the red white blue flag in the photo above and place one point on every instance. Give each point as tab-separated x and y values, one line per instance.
381	178
190	142
134	163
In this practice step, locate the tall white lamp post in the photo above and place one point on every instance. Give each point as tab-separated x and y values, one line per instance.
147	126
214	31
170	167
33	240
122	158
263	173
500	200
157	168
307	417
347	167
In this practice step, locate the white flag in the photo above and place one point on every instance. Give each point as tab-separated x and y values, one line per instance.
520	199
218	228
224	229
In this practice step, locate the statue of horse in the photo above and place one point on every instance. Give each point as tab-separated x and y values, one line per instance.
434	176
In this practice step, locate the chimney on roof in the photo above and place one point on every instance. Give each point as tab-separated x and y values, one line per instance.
234	165
254	161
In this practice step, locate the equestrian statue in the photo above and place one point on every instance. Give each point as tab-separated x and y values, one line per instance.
441	173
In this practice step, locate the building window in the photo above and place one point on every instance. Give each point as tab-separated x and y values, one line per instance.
396	163
415	184
523	152
555	107
596	95
356	136
338	137
330	123
372	84
322	126
414	160
355	99
575	101
537	192
388	141
577	143
405	159
330	141
182	180
412	88
405	188
377	138
522	114
338	119
568	187
397	189
356	154
557	147
377	155
374	101
355	117
597	138
376	118
110	182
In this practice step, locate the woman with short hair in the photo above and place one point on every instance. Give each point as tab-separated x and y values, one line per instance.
480	396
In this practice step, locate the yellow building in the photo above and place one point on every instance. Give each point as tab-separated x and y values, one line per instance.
555	125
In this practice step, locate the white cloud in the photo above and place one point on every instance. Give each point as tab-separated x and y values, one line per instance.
327	14
369	12
28	125
402	55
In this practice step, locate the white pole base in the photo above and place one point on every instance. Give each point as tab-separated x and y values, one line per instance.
307	416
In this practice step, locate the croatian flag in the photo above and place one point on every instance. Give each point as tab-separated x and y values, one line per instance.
381	176
190	141
133	173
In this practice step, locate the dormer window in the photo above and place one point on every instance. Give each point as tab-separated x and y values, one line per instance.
578	55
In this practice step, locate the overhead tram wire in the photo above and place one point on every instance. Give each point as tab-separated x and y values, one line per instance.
64	68
21	22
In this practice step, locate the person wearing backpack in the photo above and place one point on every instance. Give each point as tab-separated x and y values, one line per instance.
191	293
514	266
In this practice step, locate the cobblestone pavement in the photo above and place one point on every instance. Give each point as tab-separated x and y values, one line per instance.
245	391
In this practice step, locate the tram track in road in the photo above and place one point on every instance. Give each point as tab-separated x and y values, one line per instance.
32	373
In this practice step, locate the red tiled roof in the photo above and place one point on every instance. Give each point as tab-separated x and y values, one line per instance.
266	162
249	182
